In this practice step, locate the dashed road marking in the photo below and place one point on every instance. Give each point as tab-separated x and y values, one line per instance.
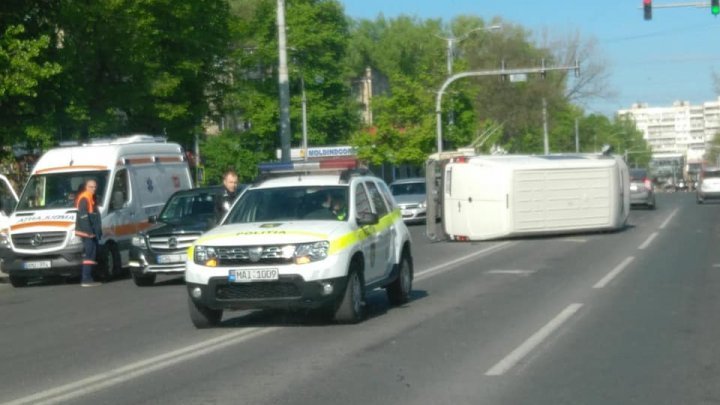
669	218
533	341
648	241
614	272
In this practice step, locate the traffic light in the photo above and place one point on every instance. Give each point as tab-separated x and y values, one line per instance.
715	7
647	8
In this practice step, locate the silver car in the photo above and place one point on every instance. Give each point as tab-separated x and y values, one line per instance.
641	188
708	184
410	196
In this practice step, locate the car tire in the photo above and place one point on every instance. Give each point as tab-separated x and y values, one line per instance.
18	282
143	280
203	317
700	201
352	304
109	264
399	290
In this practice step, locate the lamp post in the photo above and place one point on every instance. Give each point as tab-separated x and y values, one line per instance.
451	41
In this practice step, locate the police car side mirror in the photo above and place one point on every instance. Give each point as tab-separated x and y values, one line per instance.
152	219
366	218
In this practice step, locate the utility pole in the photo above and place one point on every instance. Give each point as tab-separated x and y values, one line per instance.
546	141
304	118
284	84
577	136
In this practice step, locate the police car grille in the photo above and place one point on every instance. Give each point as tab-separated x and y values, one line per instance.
38	240
257	290
241	256
162	243
409	206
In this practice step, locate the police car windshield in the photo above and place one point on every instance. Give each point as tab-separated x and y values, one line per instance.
59	190
291	204
189	208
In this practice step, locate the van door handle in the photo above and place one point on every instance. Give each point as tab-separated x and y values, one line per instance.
469	199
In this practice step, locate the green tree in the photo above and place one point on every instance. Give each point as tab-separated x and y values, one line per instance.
317	40
226	151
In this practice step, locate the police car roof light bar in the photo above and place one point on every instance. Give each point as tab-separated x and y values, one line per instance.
320	165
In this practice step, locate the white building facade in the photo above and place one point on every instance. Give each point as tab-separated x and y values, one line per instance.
679	127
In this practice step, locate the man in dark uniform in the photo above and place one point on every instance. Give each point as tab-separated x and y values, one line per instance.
89	228
229	194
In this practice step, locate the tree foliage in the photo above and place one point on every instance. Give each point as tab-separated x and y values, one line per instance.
74	70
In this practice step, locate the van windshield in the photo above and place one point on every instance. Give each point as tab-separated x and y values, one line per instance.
59	190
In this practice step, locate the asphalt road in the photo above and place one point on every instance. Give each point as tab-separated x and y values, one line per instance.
608	318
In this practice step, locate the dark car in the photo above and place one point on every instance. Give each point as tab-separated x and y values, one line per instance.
641	188
163	247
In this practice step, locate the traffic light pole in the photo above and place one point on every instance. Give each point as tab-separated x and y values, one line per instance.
495	72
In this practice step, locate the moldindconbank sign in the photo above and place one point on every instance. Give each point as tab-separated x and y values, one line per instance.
319	152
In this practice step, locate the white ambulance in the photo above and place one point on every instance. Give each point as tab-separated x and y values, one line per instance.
135	176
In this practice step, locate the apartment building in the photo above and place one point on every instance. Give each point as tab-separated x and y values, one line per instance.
674	129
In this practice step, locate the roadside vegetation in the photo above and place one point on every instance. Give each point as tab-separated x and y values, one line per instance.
186	68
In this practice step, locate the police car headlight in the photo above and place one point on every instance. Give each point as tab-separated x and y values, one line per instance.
423	204
205	255
139	241
311	252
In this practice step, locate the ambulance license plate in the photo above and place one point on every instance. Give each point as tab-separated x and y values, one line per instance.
633	187
43	264
248	275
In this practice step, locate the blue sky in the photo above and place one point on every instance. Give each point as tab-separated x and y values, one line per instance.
657	62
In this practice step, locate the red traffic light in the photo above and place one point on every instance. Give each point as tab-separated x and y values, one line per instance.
647	9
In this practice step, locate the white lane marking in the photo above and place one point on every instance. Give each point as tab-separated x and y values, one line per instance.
614	272
441	268
533	341
648	241
670	217
518	272
716	265
140	368
576	240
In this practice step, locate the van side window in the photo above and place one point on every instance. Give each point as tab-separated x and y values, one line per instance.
120	190
377	199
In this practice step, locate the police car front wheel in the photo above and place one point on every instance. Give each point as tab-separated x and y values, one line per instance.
352	304
399	290
203	317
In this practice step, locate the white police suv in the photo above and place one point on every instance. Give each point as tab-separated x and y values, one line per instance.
313	235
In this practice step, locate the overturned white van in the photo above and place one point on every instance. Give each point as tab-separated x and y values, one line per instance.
135	176
490	197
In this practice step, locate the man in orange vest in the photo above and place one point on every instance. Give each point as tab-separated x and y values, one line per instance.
89	228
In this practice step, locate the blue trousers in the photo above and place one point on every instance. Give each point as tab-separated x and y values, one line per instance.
90	246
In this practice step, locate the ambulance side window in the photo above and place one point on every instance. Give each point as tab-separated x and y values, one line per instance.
120	194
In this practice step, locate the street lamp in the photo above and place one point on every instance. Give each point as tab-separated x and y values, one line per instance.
451	41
